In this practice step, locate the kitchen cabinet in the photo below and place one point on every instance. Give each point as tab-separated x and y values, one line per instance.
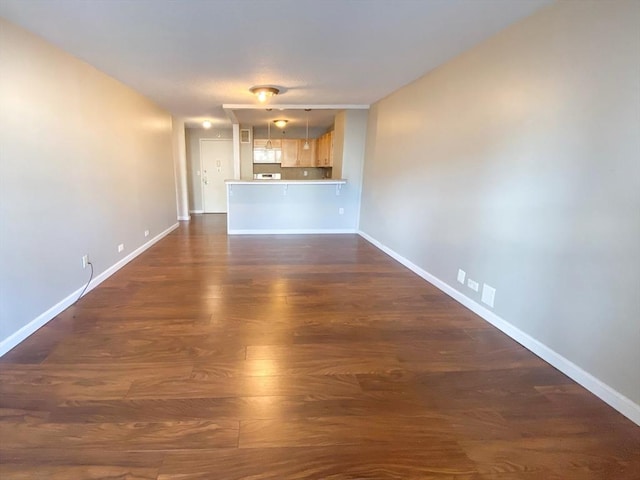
261	154
307	158
325	150
294	154
262	143
290	153
321	151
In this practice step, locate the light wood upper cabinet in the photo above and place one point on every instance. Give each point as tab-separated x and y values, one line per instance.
262	143
294	154
307	158
290	153
325	150
322	151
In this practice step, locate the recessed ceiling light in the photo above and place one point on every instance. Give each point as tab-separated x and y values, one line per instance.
280	123
264	92
206	124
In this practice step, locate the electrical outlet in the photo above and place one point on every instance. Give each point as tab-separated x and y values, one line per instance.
306	173
341	211
146	233
473	285
85	261
461	276
488	294
120	247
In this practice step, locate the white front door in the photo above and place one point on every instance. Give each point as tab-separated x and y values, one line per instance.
216	158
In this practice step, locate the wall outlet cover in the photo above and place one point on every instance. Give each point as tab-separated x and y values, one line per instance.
120	247
488	294
146	233
473	285
461	276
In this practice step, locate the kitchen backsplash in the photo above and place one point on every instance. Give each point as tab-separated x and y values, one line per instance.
292	173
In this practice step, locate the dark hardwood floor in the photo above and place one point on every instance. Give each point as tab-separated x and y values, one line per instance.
296	357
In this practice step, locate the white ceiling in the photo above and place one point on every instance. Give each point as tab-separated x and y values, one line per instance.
192	56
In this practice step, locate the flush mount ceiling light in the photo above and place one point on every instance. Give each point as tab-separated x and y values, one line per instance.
263	92
206	124
281	123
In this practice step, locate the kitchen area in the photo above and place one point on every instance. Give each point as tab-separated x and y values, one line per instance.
296	145
294	170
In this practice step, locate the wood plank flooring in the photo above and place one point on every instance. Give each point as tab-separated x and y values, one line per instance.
296	357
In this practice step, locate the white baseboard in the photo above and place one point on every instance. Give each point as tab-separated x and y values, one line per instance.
615	399
15	338
196	211
292	231
184	218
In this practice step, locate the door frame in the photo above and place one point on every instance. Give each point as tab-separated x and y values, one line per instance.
200	140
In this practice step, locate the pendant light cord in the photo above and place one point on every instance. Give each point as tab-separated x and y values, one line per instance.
306	142
268	145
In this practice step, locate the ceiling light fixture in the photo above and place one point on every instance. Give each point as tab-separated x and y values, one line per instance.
306	145
263	92
281	123
207	124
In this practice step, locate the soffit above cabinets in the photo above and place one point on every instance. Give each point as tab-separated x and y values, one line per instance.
296	117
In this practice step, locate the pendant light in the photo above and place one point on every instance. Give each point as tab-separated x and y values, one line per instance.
306	142
268	146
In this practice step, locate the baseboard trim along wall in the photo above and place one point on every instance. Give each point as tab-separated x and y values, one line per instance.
607	394
196	211
14	339
289	231
184	218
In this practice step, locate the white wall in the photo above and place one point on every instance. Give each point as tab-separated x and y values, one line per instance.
349	136
246	156
519	162
338	139
85	164
180	167
276	207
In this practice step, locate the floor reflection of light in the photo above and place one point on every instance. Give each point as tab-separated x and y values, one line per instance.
263	368
264	407
280	287
213	296
278	297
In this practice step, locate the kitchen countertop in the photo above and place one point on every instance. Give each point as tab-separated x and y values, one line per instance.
328	181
